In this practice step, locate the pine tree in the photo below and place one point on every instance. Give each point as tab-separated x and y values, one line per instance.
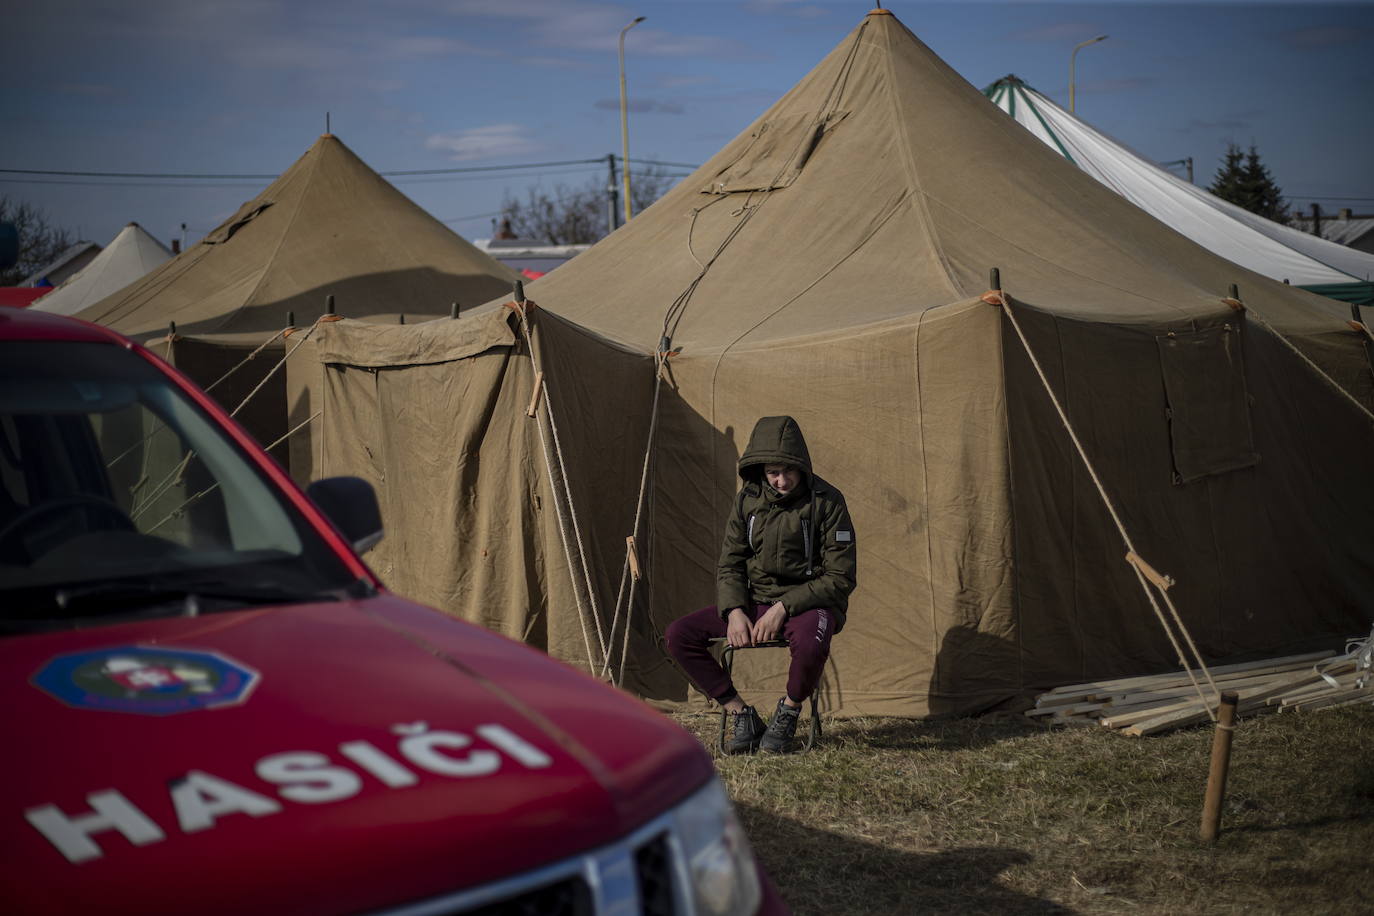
1245	181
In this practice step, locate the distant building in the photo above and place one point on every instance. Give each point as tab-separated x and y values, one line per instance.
531	258
1345	228
68	263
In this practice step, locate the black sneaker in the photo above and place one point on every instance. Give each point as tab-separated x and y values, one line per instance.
747	734
781	728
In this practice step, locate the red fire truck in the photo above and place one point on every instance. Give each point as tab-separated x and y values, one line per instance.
214	706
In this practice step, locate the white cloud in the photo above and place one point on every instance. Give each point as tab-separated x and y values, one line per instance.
491	142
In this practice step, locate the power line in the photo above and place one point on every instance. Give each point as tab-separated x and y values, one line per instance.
396	173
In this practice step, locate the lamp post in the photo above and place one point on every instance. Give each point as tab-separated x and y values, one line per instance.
625	120
1081	44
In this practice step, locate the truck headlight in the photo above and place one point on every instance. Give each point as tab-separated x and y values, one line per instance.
719	862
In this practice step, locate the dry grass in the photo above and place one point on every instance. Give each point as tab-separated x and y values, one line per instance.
998	815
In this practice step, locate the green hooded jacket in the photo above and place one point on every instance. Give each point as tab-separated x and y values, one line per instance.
799	548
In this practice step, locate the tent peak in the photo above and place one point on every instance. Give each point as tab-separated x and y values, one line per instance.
879	11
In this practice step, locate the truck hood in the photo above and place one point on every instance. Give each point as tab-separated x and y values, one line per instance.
336	757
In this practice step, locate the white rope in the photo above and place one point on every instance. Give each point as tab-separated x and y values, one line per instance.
273	371
195	497
1004	302
173	477
128	451
659	360
1359	651
1311	365
247	359
557	504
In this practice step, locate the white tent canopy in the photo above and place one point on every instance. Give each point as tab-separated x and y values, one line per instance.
131	254
1236	234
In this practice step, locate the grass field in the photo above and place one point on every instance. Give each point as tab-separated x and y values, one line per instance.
998	815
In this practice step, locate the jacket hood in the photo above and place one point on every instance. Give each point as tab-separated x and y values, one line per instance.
775	440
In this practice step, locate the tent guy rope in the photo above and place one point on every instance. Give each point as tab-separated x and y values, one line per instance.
1138	566
522	308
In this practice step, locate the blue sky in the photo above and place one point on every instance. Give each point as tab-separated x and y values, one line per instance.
243	87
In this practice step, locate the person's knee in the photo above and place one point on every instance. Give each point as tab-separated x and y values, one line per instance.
677	636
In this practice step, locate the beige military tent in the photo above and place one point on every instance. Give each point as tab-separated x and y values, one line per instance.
832	263
329	229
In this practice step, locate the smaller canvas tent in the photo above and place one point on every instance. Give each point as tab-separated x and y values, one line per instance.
1264	246
328	233
130	255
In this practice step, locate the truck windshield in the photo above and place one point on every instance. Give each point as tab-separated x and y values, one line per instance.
119	496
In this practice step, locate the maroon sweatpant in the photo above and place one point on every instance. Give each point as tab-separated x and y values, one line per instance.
807	634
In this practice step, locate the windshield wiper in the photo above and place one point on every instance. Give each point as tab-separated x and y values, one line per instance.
121	595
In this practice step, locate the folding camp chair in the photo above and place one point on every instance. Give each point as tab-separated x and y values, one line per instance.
727	660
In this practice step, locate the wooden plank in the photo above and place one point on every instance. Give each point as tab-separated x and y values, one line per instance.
1144	679
1133	698
1250	700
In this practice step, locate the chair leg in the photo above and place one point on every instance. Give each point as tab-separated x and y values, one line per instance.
727	659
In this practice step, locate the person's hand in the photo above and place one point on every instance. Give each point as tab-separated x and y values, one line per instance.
769	626
737	629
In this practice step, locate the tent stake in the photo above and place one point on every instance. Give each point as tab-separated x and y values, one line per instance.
1221	763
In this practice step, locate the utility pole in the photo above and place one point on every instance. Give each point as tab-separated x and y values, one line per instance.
612	194
1316	219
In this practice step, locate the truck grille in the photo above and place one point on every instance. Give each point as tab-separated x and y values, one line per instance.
638	874
564	898
654	871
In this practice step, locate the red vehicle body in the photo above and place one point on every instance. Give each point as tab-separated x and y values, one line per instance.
187	741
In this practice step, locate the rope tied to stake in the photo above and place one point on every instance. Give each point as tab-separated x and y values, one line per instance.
1138	565
524	309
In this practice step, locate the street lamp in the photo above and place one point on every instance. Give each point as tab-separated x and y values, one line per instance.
1081	44
624	119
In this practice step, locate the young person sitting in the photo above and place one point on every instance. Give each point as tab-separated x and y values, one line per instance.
786	570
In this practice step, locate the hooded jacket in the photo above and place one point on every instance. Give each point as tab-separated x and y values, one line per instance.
797	548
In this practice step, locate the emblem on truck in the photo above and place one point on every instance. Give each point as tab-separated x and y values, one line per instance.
146	680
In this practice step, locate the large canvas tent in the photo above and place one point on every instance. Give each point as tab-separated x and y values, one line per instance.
130	254
1277	251
328	233
831	263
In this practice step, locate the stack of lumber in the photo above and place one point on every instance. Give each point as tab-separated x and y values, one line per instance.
1149	705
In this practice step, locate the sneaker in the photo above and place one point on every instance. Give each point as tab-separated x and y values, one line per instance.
778	738
747	734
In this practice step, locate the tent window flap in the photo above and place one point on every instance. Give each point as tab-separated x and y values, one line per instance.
1208	405
776	154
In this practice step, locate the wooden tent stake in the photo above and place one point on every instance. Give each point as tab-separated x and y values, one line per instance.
1221	763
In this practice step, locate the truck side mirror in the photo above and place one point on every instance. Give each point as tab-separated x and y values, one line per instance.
351	504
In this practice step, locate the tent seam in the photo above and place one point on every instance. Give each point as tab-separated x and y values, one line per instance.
281	240
925	501
917	190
